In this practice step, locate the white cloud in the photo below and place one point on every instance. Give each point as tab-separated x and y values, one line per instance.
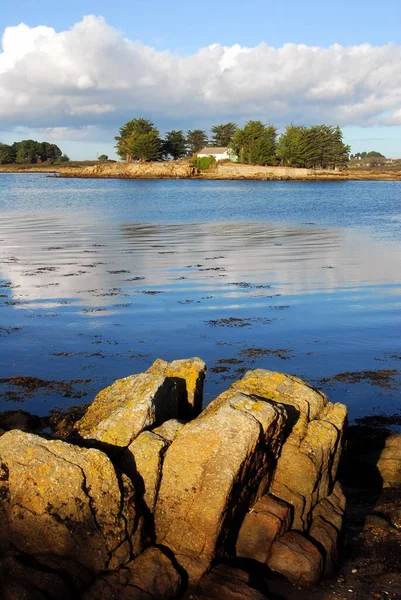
92	76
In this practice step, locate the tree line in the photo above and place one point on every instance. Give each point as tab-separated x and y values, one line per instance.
319	146
31	152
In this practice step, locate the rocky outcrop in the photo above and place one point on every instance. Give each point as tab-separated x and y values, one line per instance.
65	501
212	473
150	576
129	406
190	374
167	495
307	467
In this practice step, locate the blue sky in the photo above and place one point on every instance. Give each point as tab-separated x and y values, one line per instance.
360	90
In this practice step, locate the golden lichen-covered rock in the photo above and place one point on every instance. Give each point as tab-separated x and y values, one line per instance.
120	412
213	471
303	402
307	467
166	391
142	462
149	576
191	372
389	463
62	500
170	429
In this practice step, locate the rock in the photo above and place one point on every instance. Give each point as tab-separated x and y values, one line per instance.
325	535
122	411
307	467
224	583
19	579
267	520
170	429
149	576
297	559
376	522
142	462
19	419
62	500
62	421
327	525
190	373
127	407
396	518
389	463
213	471
332	508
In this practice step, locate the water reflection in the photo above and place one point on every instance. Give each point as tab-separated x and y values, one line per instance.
81	296
50	259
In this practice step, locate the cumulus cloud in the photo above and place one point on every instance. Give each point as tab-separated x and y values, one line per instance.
90	75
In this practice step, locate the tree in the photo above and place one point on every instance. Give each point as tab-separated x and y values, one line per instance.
7	154
103	158
138	140
196	140
223	134
145	147
175	144
290	146
255	144
27	151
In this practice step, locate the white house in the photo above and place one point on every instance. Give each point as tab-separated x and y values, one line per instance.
219	153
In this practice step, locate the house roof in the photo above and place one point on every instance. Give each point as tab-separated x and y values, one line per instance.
215	150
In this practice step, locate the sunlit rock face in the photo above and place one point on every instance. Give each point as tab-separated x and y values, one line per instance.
147	502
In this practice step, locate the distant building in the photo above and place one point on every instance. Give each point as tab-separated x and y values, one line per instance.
219	153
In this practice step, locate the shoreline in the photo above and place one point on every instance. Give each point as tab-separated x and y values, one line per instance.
183	170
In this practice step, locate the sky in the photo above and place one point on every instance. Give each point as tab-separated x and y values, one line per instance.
74	74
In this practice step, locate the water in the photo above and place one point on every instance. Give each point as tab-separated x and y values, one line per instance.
100	277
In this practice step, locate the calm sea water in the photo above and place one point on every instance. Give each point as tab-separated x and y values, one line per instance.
100	277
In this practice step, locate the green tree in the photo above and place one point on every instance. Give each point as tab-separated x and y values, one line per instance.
145	146
223	134
103	158
7	154
290	146
374	154
130	146
323	147
196	140
255	144
27	151
175	144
